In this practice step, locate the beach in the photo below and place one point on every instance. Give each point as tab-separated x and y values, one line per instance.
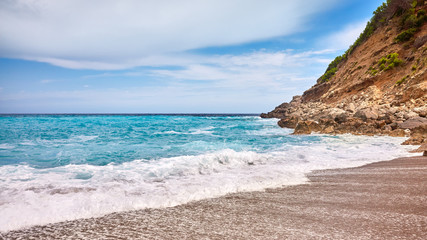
213	119
383	200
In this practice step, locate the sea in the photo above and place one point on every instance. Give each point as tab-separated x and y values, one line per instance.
55	168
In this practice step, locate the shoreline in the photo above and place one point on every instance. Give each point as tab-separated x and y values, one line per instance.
384	200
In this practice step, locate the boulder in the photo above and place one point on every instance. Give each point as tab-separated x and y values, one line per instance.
413	123
392	110
367	113
398	133
306	127
333	112
329	130
351	107
341	118
423	149
421	111
290	122
410	115
418	136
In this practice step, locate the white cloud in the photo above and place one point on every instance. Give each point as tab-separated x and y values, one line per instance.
251	82
256	69
46	81
342	39
110	34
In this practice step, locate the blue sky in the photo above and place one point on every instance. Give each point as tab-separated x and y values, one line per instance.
188	56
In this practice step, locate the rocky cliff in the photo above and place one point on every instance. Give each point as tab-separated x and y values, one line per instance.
378	87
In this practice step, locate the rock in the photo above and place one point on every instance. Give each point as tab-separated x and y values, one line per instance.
418	136
398	133
410	114
351	107
394	125
341	118
380	124
328	130
421	111
334	112
365	114
386	128
306	127
290	122
423	149
413	123
415	91
392	110
296	101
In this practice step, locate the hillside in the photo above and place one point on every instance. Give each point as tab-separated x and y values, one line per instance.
379	86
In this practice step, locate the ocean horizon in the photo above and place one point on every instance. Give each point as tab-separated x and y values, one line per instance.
58	167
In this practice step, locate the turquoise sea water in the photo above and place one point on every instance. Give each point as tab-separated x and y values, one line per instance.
45	141
62	167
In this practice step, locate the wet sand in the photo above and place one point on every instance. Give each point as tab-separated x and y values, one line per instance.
384	200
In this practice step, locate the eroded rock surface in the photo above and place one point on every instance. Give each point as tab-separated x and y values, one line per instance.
363	98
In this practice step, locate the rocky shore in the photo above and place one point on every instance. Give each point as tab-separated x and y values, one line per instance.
378	87
359	116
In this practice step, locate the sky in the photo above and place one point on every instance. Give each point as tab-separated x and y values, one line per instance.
168	56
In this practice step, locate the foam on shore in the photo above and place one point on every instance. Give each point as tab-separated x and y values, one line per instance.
31	196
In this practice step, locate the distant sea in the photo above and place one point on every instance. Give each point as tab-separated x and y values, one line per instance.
63	167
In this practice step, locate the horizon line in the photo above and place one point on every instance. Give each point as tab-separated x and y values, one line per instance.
130	113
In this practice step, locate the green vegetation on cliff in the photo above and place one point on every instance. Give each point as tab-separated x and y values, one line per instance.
410	21
389	62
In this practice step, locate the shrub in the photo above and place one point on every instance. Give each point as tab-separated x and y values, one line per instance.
393	58
398	7
380	16
382	61
373	72
414	67
389	62
334	63
390	66
421	20
410	22
405	35
397	62
328	74
402	80
332	68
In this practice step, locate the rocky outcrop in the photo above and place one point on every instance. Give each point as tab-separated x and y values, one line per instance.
367	94
360	118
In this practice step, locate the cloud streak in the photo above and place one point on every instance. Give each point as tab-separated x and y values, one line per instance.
246	83
128	33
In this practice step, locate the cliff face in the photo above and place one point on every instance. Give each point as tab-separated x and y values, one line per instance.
378	87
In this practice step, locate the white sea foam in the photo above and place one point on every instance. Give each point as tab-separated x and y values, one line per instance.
28	143
6	146
83	138
30	196
273	131
193	131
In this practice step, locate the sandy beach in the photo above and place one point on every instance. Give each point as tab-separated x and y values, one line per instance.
384	200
